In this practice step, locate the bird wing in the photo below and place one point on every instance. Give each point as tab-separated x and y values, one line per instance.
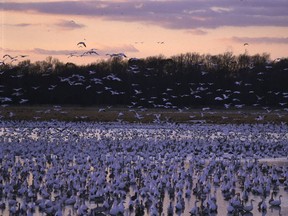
82	43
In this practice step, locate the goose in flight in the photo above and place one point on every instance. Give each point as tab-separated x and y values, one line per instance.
81	43
72	54
12	58
117	55
90	52
122	55
23	56
9	56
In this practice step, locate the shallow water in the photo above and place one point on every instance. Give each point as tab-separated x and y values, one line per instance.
166	144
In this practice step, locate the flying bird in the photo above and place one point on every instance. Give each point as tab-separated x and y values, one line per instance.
72	54
246	44
90	52
9	56
117	55
23	56
81	43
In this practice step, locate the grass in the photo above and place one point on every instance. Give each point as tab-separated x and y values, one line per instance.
91	113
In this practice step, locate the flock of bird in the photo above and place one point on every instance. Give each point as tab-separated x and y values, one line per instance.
144	96
7	58
10	59
92	51
65	168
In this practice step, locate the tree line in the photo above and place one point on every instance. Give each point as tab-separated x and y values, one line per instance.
190	79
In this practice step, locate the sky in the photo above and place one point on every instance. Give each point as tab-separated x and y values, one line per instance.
141	28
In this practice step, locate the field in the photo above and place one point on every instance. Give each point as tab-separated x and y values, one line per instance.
137	161
89	168
124	114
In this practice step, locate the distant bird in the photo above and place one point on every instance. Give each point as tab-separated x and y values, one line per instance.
52	87
275	202
225	96
72	54
23	56
239	106
23	101
249	208
2	205
138	116
195	209
90	52
218	98
117	55
170	209
277	60
245	44
12	58
121	55
262	206
9	56
17	89
101	110
81	43
259	118
133	60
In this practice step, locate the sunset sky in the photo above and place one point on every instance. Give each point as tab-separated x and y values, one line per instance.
142	28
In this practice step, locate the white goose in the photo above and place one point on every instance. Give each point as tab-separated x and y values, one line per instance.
249	208
276	202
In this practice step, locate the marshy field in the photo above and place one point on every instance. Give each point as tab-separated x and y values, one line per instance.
87	168
142	108
143	115
189	135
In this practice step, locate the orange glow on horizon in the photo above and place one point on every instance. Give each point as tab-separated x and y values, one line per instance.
40	35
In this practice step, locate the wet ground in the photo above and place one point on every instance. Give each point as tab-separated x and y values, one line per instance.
163	163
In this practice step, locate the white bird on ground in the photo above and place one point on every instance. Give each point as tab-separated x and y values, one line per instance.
249	208
276	202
